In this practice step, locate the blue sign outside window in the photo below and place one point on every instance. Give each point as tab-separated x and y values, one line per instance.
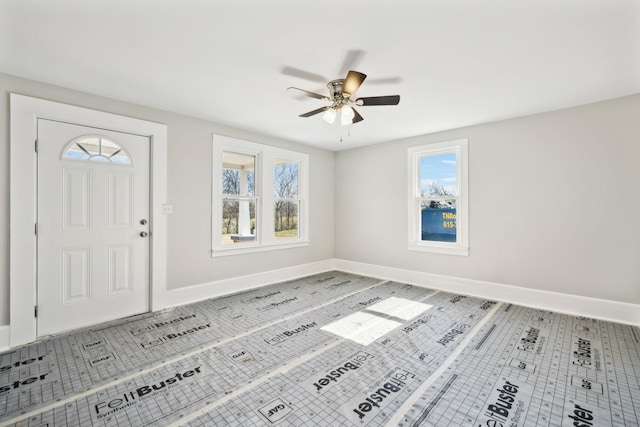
439	224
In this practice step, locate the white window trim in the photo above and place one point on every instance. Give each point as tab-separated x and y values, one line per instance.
415	243
265	159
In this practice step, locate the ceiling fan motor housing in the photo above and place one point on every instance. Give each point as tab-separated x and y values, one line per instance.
335	89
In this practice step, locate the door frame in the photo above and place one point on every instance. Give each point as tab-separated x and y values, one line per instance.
25	112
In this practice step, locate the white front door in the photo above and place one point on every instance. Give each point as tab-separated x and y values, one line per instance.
93	226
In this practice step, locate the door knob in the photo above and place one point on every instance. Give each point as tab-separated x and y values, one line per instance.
143	234
143	221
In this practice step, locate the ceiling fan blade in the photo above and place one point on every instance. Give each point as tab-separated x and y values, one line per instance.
352	82
357	117
311	94
302	74
351	60
379	100
385	80
314	112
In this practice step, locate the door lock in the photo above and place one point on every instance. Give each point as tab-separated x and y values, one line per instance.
143	221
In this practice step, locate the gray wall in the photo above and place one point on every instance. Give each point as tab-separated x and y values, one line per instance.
189	190
554	203
554	200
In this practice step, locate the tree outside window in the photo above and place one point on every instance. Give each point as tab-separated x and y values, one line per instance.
285	186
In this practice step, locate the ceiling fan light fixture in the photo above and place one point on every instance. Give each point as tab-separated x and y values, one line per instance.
329	116
346	116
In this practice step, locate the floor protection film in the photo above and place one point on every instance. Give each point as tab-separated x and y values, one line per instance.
331	350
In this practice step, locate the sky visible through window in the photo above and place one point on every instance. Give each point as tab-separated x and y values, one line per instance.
440	170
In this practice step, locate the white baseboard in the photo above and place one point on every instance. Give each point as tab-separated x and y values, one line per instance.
4	338
614	311
576	305
189	294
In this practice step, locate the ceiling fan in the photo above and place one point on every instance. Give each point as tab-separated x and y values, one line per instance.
341	93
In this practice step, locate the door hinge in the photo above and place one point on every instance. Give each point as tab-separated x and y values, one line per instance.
35	311
36	146
36	229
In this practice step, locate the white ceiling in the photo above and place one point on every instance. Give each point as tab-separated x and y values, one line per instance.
454	62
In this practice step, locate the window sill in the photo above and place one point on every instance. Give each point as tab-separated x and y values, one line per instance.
439	249
244	248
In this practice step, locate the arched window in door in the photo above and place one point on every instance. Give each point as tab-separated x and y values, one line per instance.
96	148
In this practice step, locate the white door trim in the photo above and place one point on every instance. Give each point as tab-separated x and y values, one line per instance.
25	111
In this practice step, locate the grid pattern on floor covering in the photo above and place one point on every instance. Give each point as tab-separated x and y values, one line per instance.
73	363
265	360
530	367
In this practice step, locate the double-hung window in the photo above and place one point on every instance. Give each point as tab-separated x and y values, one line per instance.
438	198
259	197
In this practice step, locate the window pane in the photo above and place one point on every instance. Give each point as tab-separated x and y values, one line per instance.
90	145
285	179
286	219
120	158
438	220
438	175
238	174
238	221
77	153
108	146
99	159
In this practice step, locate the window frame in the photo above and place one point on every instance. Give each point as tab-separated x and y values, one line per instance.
265	156
415	242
